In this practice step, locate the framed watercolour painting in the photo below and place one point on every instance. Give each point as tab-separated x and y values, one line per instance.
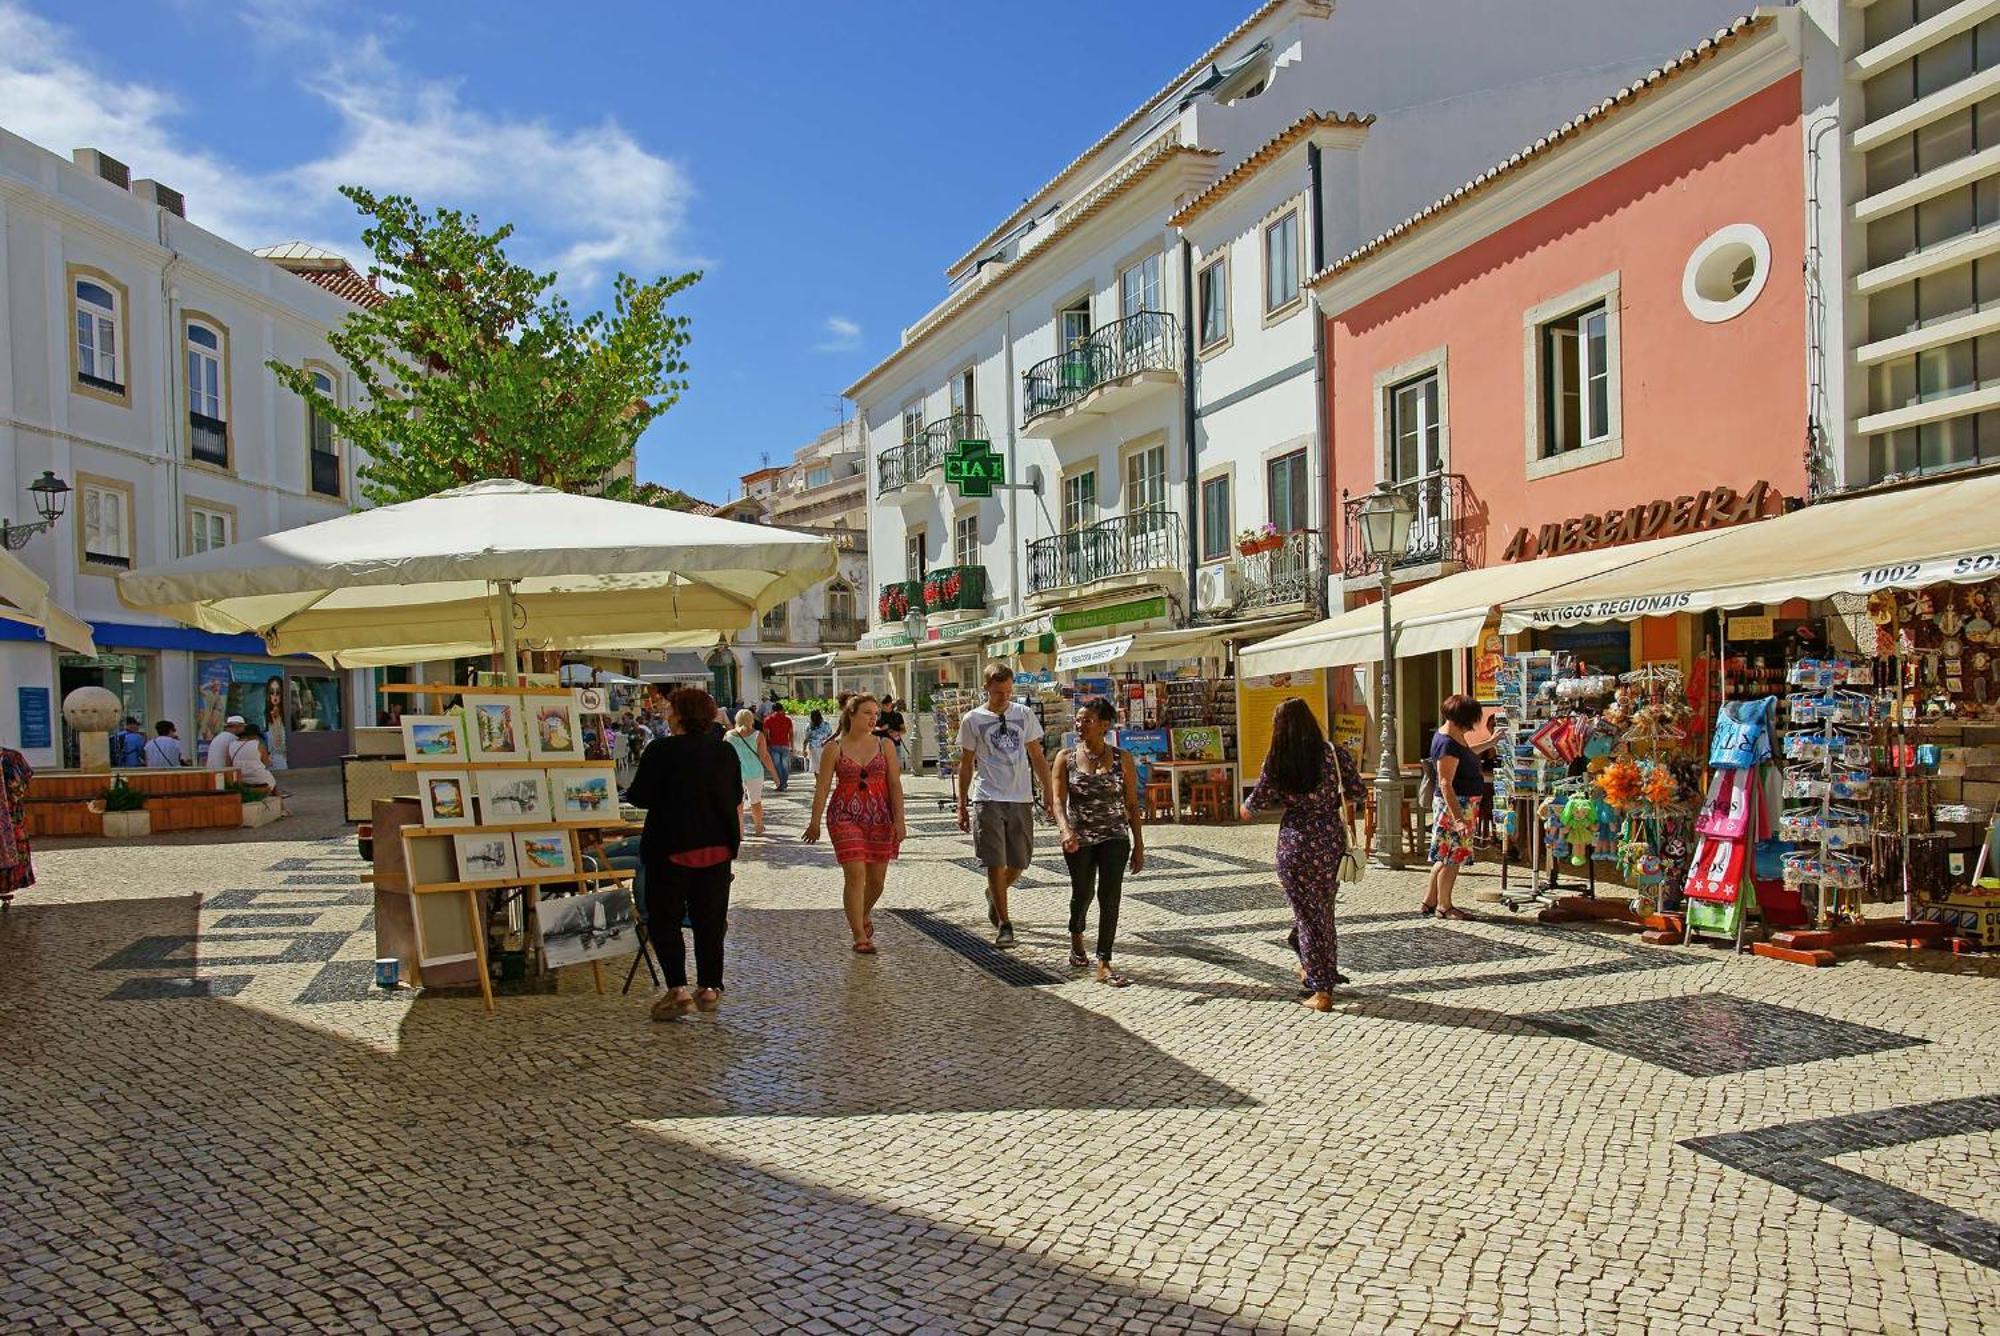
494	725
544	853
589	794
592	926
553	733
512	798
432	737
447	798
483	856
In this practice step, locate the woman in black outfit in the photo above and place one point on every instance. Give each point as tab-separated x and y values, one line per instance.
690	785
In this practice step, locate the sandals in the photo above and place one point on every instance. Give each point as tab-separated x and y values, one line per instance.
864	947
1111	978
1078	959
708	999
1427	909
1455	914
671	1008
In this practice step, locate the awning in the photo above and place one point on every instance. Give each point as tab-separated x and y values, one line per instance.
810	663
584	675
1181	642
1092	654
683	666
1443	614
1903	539
1043	642
24	601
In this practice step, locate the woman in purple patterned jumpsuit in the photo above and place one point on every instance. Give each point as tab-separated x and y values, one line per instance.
1316	783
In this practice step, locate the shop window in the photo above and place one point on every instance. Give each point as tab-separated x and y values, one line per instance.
314	704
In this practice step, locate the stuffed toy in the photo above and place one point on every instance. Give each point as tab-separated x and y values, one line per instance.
1579	822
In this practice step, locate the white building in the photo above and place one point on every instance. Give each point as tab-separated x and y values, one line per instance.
1134	339
132	365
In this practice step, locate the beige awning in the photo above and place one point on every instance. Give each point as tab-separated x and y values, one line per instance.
1903	539
1444	614
1180	642
24	598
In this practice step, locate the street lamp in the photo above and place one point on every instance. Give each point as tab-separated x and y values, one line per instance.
1386	517
51	497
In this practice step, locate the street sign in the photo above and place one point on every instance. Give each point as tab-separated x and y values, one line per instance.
973	469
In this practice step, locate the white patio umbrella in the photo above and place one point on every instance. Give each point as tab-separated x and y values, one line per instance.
24	597
482	567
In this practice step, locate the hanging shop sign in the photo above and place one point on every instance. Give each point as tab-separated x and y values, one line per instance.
1138	610
1093	654
1717	508
972	469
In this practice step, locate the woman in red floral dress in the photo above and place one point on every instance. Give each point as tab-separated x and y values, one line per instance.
860	793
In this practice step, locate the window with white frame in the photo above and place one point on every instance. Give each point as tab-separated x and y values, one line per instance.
1146	480
839	602
106	531
1215	518
915	561
819	476
913	421
324	473
1281	262
97	336
1079	500
1139	287
207	393
1288	492
1576	381
965	539
1416	442
775	627
209	528
1074	325
963	402
1212	303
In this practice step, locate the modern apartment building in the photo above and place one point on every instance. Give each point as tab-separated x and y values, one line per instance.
132	366
823	489
1135	339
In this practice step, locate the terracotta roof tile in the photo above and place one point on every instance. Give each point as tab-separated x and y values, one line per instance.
1264	154
344	282
1724	38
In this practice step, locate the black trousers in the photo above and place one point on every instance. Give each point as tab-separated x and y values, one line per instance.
1097	870
701	896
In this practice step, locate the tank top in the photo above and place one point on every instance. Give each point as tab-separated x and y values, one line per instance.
1096	804
747	759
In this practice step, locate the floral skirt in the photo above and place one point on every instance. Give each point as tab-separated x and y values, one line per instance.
1451	842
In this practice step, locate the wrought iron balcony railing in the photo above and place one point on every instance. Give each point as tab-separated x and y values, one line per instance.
902	465
1146	341
208	439
955	589
1440	533
835	630
1292	572
1136	544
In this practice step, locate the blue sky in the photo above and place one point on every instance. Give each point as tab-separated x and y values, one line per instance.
822	162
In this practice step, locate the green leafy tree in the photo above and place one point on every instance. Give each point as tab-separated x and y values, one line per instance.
474	367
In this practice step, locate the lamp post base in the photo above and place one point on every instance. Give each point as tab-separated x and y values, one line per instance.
1387	851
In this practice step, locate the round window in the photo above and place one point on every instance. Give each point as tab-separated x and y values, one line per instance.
1726	273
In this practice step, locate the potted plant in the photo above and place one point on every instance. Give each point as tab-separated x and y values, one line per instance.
1263	538
124	811
894	605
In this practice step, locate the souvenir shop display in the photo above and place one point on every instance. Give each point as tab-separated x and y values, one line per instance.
948	708
1827	823
1524	685
1721	886
1648	785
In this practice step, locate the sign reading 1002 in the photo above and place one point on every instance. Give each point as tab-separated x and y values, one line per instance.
973	469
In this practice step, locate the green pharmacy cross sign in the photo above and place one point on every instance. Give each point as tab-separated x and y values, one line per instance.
973	469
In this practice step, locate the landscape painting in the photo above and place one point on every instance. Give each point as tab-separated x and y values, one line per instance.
447	798
512	798
496	728
432	737
578	928
584	795
554	735
484	857
543	853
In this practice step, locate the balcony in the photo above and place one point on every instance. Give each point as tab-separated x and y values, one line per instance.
208	439
835	630
901	470
899	599
1147	543
955	589
1292	573
1441	536
1122	363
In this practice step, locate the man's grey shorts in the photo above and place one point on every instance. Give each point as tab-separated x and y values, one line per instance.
1003	834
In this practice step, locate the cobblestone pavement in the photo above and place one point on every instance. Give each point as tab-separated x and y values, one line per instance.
211	1120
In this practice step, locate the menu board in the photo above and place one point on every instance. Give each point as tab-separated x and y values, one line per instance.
1258	699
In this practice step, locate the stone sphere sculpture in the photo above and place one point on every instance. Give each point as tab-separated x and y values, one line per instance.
93	710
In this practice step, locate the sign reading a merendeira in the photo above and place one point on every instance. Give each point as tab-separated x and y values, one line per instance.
1717	508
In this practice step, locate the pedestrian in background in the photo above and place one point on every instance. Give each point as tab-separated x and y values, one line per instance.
890	725
219	745
1317	785
818	731
1455	809
128	744
778	737
1096	798
999	756
165	748
860	792
755	759
691	785
250	760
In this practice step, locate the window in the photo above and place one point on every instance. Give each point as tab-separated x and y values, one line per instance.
963	404
1415	440
1139	287
1289	493
106	531
1146	480
776	626
1215	518
1576	381
209	528
839	603
207	393
914	561
1212	297
325	452
1079	501
820	476
965	539
97	337
1281	263
1074	326
913	422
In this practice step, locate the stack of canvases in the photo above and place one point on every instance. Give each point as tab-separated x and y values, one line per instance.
506	780
1722	884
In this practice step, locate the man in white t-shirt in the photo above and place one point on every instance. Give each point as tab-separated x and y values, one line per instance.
218	746
999	751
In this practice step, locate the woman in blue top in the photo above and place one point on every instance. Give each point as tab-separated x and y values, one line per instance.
1455	809
754	759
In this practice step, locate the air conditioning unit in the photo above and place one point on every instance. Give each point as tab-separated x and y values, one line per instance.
1217	586
153	192
103	166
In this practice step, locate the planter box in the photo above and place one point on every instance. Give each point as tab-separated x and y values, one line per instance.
51	819
1261	545
128	825
262	812
196	811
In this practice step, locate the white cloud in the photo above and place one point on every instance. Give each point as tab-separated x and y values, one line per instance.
584	200
841	335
